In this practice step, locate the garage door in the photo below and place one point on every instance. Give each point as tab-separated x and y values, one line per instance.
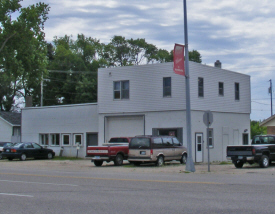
126	126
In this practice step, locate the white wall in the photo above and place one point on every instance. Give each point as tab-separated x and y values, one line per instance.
224	126
69	119
146	89
5	131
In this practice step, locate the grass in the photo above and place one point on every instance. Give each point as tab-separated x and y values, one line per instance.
66	158
225	162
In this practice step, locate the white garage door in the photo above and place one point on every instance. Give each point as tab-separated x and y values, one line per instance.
127	126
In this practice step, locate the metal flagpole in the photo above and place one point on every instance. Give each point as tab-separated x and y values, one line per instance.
189	164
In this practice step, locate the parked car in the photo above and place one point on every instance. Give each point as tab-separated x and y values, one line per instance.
27	150
115	150
2	145
156	149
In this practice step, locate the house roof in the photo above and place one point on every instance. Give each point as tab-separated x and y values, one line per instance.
267	120
11	117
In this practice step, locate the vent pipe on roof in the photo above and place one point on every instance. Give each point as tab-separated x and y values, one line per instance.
218	64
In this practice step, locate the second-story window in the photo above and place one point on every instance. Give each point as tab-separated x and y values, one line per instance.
121	90
167	91
221	88
237	91
200	87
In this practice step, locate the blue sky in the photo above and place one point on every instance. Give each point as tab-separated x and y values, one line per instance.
239	33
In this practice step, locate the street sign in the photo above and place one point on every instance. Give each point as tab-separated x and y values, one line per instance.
208	118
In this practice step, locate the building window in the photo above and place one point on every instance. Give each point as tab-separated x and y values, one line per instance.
167	87
44	139
55	140
65	139
221	88
211	138
121	90
237	91
200	87
78	139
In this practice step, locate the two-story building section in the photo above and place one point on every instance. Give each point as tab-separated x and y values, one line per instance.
150	99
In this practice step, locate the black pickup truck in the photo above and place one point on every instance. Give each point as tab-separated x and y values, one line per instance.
261	151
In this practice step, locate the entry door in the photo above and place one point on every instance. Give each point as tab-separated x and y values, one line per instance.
199	147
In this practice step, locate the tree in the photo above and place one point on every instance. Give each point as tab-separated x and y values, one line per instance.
73	70
23	50
256	129
195	56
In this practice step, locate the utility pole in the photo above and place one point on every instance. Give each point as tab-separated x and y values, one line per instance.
189	164
270	91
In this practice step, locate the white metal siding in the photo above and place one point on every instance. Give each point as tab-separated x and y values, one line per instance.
5	131
146	89
69	119
125	126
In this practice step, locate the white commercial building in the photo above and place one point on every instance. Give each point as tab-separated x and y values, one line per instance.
150	99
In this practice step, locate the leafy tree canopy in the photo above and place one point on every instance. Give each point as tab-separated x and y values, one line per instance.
256	129
22	50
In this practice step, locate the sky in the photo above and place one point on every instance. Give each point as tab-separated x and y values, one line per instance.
239	33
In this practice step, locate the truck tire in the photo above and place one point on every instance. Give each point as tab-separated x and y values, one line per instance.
264	161
98	163
118	160
238	164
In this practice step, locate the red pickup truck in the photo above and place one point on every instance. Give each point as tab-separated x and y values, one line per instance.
116	150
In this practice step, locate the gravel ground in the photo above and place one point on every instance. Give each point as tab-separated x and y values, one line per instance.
172	167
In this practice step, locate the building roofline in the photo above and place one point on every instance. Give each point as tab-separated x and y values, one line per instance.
59	106
267	120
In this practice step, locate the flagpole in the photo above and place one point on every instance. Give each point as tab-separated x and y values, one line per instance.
189	164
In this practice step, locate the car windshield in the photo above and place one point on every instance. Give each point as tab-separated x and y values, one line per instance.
140	142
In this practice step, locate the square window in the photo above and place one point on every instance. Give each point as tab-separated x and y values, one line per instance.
55	139
65	139
121	90
44	139
78	139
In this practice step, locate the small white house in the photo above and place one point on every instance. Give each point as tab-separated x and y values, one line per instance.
10	126
150	99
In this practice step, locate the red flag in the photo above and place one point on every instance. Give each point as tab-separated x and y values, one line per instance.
179	59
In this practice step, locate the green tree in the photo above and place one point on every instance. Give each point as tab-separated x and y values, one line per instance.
256	129
23	50
73	71
195	56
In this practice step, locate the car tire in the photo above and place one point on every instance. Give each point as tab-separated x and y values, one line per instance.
264	161
1	157
118	160
50	155
98	163
238	164
23	157
160	161
183	159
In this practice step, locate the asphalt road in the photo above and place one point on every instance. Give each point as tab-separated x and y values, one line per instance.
34	187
